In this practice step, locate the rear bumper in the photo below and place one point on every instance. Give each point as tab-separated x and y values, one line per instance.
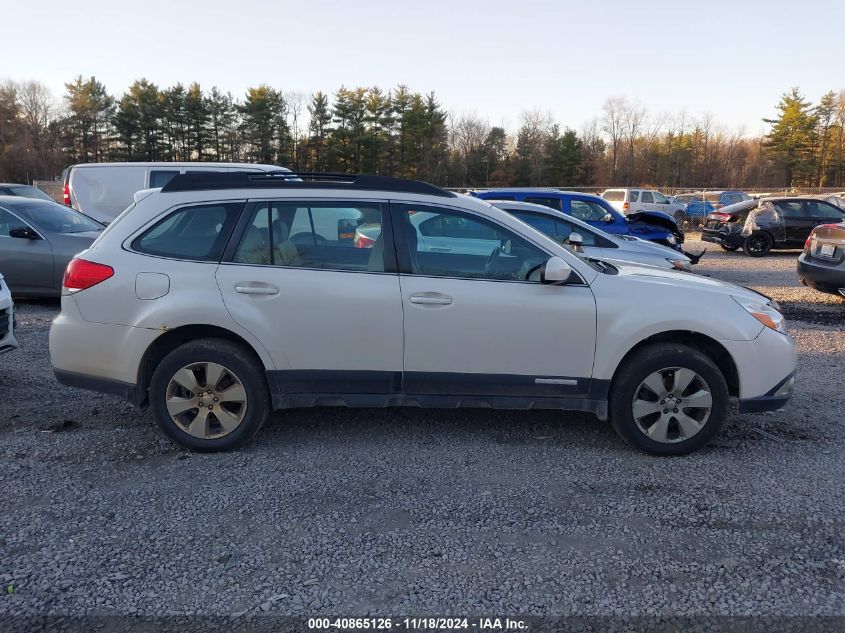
127	391
821	276
722	237
96	356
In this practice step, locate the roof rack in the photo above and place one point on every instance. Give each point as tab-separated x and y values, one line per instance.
282	179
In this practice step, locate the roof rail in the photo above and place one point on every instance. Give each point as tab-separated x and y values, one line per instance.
202	181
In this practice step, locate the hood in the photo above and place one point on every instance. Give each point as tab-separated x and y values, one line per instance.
657	218
646	246
693	281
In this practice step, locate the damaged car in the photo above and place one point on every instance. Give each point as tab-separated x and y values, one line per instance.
758	226
653	226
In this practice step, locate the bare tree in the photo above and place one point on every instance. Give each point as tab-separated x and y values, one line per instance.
612	124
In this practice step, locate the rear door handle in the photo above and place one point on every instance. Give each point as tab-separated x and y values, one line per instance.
256	289
431	299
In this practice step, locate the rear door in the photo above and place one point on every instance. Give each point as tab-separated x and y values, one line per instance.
327	306
481	324
797	223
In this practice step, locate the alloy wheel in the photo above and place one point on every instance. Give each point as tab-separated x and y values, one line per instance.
672	405
206	400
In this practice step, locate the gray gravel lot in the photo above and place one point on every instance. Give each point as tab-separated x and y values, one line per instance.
427	512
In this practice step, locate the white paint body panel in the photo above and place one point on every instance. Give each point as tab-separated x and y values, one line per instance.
345	320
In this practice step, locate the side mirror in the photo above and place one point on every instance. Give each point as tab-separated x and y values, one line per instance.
608	218
576	241
555	271
24	232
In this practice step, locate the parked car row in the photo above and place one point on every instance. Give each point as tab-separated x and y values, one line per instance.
250	269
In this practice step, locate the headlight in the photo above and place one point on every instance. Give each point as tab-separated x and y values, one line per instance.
766	312
679	264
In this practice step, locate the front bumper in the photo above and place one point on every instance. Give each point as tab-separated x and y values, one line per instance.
766	369
821	276
776	399
8	342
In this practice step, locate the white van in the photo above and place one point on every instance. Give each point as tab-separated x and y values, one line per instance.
102	190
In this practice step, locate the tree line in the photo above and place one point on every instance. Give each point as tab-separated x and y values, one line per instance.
399	132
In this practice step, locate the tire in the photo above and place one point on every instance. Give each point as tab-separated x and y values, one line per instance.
730	248
243	397
758	244
629	393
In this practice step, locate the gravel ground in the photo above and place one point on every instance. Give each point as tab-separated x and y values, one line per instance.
427	512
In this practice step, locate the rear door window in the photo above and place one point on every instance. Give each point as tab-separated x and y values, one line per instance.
791	209
647	197
633	196
315	235
546	201
195	233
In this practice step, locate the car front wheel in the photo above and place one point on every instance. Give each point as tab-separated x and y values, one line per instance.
210	395
668	399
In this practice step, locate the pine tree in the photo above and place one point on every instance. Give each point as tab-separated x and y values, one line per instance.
88	123
790	142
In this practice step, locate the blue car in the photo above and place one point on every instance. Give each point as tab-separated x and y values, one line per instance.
703	203
647	225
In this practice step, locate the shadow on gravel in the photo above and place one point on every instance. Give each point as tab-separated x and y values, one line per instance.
824	314
437	426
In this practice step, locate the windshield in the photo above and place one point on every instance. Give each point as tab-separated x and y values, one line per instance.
60	219
25	192
614	195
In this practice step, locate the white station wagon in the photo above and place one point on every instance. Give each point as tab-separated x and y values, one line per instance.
199	301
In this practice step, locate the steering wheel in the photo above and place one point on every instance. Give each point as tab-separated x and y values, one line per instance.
533	270
494	257
306	238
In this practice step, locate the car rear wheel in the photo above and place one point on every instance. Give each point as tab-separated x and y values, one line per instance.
758	244
668	399
210	395
730	248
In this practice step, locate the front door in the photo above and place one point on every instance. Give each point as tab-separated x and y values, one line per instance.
478	322
26	264
316	283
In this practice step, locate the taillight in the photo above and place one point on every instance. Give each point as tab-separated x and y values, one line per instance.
81	274
721	217
626	206
807	243
66	195
362	241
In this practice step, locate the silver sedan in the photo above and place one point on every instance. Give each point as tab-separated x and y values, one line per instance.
37	240
594	242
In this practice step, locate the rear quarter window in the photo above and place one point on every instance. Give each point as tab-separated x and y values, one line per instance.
195	233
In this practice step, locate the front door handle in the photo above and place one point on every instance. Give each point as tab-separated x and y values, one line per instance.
431	299
256	289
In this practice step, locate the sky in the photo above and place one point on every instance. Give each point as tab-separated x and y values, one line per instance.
496	58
